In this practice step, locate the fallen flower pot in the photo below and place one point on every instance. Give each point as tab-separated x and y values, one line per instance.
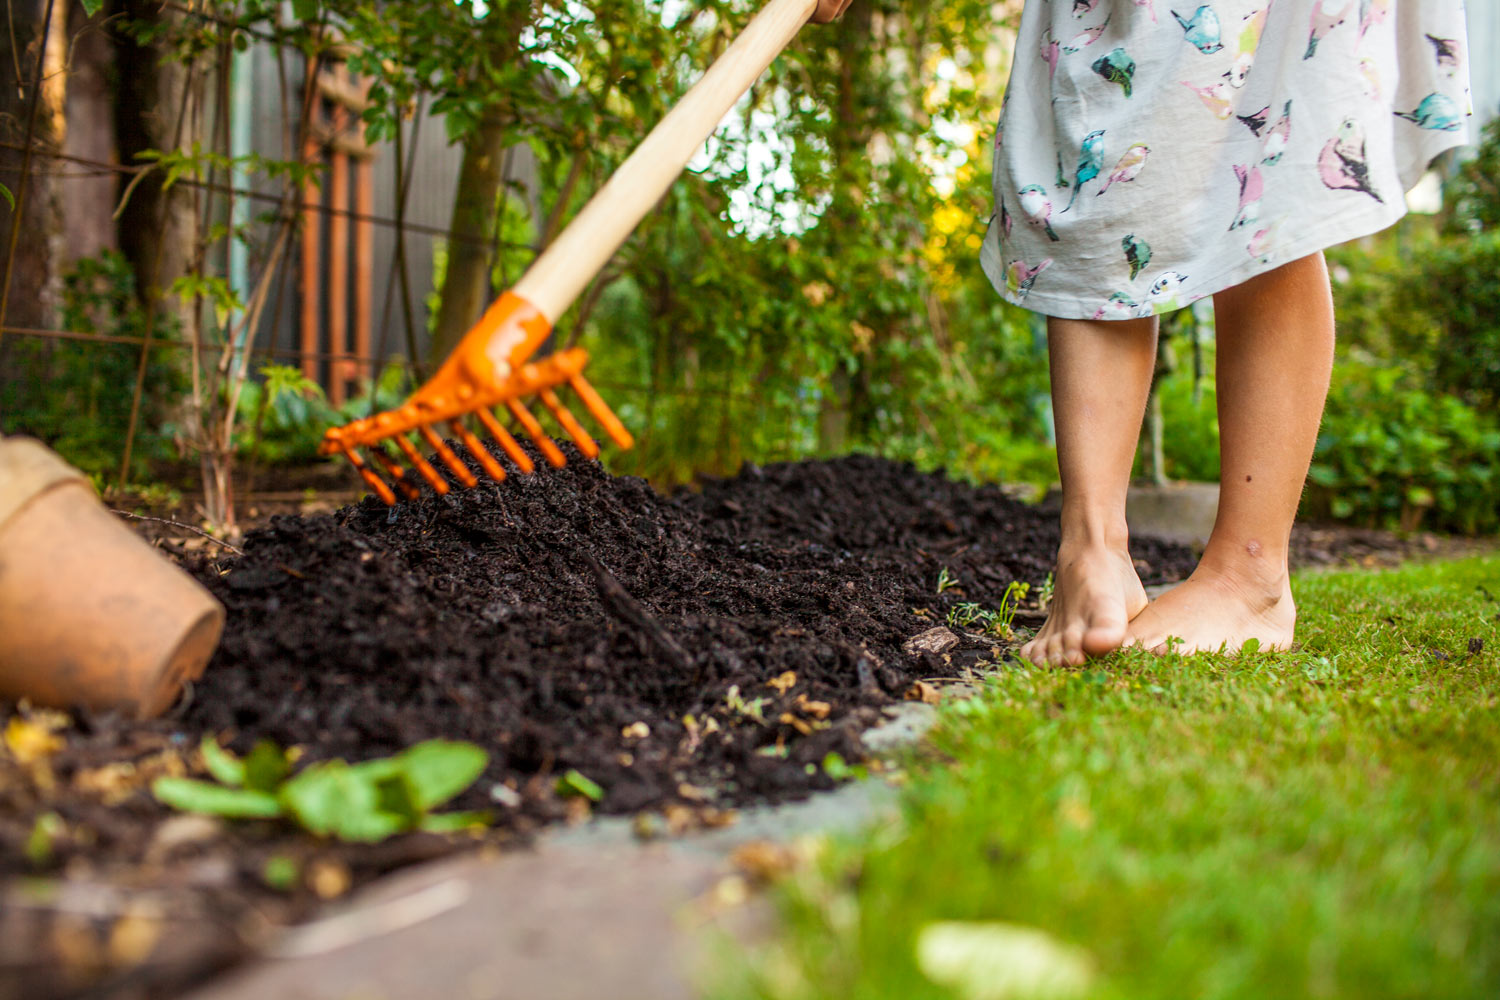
90	614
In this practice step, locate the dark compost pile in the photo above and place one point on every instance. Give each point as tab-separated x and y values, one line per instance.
542	617
686	654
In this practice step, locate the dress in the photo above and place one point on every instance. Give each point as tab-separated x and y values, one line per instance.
1151	153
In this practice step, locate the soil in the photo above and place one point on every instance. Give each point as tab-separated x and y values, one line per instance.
689	653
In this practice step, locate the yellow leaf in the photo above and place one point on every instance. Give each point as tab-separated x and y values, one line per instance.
31	740
784	682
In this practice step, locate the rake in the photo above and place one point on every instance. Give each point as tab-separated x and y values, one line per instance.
492	366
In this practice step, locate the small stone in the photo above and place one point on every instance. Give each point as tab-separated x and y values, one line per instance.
936	640
328	878
506	796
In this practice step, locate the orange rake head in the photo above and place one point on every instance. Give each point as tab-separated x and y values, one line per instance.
490	367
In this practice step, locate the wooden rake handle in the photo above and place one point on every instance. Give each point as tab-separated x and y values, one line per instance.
582	249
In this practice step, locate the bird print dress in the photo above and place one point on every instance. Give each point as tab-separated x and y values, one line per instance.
1151	153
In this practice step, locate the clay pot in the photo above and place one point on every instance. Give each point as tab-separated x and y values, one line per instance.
89	613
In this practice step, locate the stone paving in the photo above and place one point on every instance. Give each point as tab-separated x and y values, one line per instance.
588	912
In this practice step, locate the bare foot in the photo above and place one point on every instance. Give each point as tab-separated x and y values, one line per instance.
1216	611
1095	594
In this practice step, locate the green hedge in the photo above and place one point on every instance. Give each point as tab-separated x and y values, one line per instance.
1394	454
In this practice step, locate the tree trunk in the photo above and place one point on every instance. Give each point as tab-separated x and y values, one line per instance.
89	227
157	228
32	298
466	281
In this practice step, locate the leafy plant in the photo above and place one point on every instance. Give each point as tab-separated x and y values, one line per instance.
996	621
76	395
1456	284
1394	454
363	802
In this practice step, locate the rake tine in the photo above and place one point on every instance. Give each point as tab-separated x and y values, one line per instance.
371	479
601	412
396	473
586	444
478	450
535	432
451	460
508	444
421	464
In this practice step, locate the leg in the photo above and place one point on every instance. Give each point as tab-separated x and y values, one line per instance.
1275	352
1101	373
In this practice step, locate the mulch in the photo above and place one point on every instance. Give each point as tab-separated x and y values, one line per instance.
690	654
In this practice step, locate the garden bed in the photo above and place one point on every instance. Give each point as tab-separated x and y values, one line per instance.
686	654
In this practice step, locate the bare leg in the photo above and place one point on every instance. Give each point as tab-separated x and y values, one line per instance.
1101	373
1275	352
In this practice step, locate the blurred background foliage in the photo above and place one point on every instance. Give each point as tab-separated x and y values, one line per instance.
810	285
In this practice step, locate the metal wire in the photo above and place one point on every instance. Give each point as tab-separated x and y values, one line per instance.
250	193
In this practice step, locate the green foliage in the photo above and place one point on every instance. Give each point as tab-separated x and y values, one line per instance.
1190	416
574	782
998	621
1304	824
1475	192
76	394
1392	453
1457	284
284	415
363	802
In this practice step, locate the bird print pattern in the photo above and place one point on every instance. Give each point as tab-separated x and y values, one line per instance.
1153	152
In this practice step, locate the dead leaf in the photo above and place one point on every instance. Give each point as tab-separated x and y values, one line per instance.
816	709
693	793
923	692
679	818
716	819
133	938
936	640
784	682
763	861
788	719
32	740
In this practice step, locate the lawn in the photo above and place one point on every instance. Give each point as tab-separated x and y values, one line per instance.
1317	823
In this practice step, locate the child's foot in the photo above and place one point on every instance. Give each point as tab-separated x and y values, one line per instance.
1095	594
1216	611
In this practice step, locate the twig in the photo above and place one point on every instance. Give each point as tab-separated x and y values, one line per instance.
627	610
178	524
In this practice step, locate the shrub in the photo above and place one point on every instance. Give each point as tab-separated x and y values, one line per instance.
1456	283
1393	454
76	395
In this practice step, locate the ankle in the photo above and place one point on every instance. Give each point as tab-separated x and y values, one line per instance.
1085	529
1260	578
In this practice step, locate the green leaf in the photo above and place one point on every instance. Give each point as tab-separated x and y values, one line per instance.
305	10
222	764
455	822
10	199
91	7
367	802
192	796
574	783
1251	646
44	833
266	767
440	769
281	873
324	796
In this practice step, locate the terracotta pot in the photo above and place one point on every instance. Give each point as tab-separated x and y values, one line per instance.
89	613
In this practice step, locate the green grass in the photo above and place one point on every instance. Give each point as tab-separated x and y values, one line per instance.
1318	823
